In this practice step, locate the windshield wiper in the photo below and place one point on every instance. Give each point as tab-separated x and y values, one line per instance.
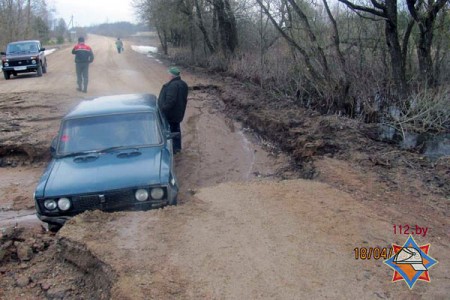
105	150
110	149
80	153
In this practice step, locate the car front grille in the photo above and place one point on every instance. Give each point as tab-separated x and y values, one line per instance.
86	202
107	201
18	63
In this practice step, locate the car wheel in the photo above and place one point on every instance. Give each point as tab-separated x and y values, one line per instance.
54	227
39	70
44	68
6	74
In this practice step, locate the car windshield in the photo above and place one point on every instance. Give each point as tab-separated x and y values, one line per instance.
28	47
99	133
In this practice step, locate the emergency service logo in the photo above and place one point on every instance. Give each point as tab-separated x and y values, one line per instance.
411	262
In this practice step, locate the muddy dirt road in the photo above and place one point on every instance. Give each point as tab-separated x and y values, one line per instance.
245	228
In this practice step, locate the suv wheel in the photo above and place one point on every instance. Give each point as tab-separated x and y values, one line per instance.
44	68
6	74
39	70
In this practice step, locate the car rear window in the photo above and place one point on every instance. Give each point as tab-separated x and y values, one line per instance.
100	132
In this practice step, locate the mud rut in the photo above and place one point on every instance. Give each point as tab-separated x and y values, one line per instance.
240	232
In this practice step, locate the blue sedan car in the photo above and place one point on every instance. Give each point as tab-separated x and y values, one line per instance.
111	153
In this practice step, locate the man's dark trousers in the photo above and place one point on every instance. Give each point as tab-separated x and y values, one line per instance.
175	127
82	75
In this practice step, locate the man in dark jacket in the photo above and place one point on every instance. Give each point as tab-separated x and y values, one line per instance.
83	57
172	102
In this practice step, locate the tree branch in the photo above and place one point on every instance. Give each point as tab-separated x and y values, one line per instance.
364	8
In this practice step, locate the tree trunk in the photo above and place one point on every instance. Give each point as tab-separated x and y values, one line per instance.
395	52
202	28
425	15
424	52
227	26
387	10
439	51
163	40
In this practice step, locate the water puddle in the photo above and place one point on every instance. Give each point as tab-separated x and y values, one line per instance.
144	49
15	217
432	146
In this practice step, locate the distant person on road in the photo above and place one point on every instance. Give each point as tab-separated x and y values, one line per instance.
119	45
172	101
83	57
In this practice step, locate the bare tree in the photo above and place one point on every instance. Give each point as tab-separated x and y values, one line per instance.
201	26
387	10
21	19
315	75
424	13
226	24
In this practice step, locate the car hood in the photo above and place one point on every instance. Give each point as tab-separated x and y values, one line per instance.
27	55
105	171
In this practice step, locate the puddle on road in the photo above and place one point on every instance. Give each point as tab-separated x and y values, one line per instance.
22	217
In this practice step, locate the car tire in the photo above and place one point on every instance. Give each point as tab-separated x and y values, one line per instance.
54	227
6	74
44	68
39	70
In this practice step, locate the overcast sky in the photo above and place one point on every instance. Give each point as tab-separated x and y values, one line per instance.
91	12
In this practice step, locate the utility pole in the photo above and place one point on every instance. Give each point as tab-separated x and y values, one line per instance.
28	26
70	28
70	23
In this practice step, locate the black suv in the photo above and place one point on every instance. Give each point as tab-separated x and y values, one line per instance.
24	57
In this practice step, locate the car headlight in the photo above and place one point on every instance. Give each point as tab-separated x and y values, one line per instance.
157	193
33	62
50	204
141	195
64	204
6	64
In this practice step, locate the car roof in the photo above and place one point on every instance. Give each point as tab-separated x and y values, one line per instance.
127	103
25	41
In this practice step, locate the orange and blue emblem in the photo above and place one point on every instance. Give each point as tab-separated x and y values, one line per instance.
411	262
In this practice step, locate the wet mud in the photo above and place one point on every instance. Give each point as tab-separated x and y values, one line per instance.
248	224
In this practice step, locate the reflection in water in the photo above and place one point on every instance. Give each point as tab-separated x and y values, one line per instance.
13	217
438	146
432	146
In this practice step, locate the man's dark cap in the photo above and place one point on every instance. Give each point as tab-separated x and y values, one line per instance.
81	39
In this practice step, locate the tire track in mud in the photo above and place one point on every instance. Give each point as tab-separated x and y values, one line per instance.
24	120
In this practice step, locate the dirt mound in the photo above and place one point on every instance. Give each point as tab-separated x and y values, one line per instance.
32	267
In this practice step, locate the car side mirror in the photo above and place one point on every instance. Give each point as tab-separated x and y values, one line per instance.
171	135
3	53
42	49
53	146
